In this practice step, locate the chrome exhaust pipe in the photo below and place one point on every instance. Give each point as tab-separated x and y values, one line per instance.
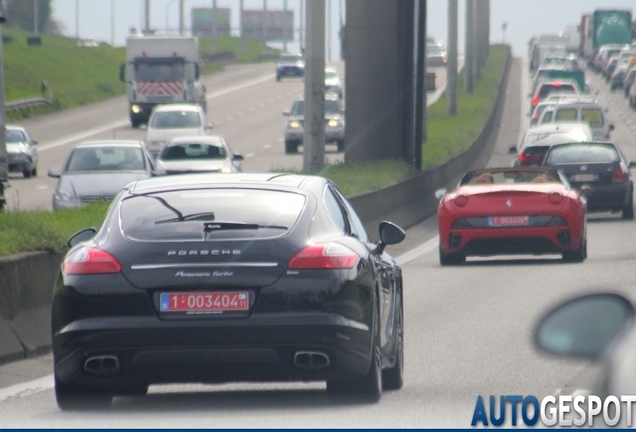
314	360
102	364
455	240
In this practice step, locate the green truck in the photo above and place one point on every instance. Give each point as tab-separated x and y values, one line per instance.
611	26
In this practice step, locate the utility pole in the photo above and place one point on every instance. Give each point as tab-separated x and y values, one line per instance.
181	8
451	67
264	22
35	17
420	133
328	30
314	125
302	26
469	54
215	45
147	16
285	26
76	19
241	43
112	23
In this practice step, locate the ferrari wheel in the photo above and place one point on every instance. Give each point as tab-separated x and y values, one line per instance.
449	260
579	255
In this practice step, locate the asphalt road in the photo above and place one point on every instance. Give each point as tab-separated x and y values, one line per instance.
468	333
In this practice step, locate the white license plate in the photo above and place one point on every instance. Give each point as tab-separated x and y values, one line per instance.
508	221
584	177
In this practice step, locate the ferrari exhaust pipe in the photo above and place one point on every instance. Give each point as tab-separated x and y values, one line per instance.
314	360
102	365
563	237
455	240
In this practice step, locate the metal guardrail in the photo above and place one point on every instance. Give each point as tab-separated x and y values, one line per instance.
27	103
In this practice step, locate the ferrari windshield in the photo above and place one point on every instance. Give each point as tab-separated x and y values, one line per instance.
510	176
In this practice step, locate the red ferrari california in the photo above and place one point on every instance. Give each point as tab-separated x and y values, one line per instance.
503	211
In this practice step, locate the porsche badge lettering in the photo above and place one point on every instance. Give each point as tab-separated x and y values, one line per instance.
214	252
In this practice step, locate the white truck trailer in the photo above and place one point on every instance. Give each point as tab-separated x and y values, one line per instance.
160	70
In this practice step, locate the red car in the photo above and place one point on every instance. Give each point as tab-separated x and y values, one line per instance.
520	210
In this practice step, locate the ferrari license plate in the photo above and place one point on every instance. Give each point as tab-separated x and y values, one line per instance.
202	302
584	177
508	221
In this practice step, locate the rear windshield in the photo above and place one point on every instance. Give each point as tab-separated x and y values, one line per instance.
116	158
549	88
571	154
193	151
210	214
566	115
176	120
508	176
593	117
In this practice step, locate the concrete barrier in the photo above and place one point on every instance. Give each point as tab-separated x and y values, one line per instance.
26	279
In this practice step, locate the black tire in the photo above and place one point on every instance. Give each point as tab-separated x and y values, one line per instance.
628	211
277	78
393	378
75	399
291	147
34	172
450	260
341	145
369	387
135	124
579	255
27	173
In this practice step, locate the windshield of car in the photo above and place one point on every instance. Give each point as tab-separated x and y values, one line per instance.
14	136
175	120
159	71
144	216
331	74
509	176
435	50
580	154
193	151
289	59
331	107
115	158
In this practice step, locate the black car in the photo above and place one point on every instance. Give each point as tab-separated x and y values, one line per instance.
240	277
600	170
290	65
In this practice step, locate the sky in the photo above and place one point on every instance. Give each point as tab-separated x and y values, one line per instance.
524	18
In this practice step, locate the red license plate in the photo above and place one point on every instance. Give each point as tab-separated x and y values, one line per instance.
508	221
204	301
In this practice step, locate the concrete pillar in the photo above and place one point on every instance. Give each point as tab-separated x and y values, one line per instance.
451	66
469	51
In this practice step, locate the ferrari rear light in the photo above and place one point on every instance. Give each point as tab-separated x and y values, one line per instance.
618	175
324	256
556	198
461	200
86	261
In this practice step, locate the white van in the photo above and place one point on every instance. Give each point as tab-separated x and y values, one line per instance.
591	113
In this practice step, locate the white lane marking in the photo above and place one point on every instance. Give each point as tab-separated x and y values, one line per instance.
417	252
250	155
120	123
41	187
267	146
48	382
27	388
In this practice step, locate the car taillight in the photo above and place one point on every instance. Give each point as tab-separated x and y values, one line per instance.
535	101
618	175
461	200
324	256
529	157
88	260
556	198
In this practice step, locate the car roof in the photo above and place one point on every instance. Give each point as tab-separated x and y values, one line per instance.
111	143
15	127
569	103
191	139
561	128
177	107
194	181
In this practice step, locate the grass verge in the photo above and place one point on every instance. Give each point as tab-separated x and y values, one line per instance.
22	231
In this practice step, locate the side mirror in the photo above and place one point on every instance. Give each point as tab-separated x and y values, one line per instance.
122	75
287	113
209	126
389	234
512	150
34	142
584	326
197	71
81	236
632	165
439	193
238	157
611	128
54	173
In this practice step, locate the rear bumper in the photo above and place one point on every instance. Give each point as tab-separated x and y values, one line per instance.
609	198
260	348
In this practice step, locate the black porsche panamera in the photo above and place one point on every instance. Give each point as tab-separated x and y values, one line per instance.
219	278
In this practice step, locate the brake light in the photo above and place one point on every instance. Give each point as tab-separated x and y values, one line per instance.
618	175
556	198
556	84
529	157
88	260
324	256
461	200
535	101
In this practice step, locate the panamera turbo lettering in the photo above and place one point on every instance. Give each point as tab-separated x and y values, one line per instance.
216	252
192	274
